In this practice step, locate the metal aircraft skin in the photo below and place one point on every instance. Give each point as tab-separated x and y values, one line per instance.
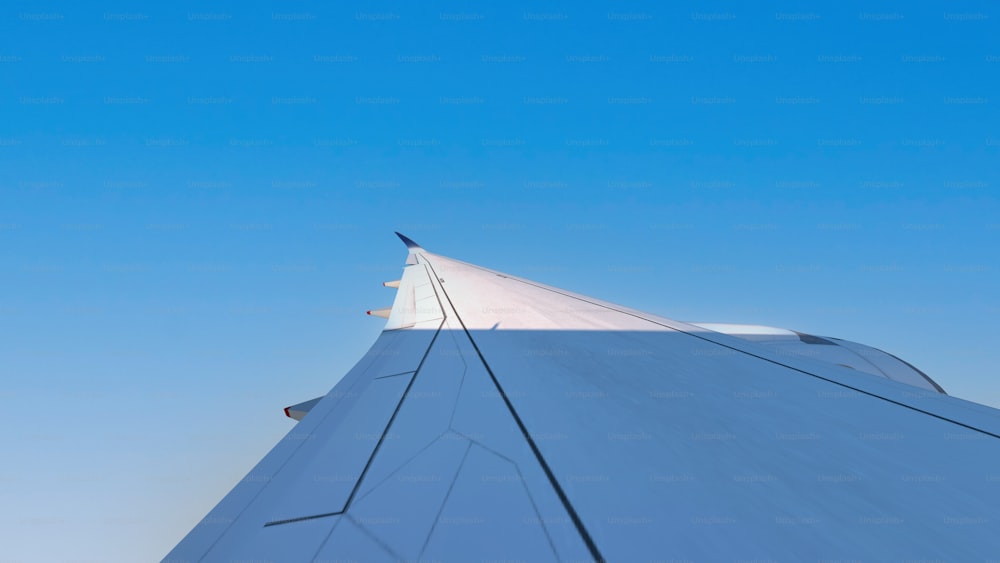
496	418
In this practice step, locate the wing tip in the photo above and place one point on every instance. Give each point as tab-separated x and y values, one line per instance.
410	244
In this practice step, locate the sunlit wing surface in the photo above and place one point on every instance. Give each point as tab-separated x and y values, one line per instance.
496	418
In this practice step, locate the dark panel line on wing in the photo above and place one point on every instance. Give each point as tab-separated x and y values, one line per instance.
577	521
387	426
392	418
375	539
444	502
281	467
775	362
393	375
436	296
404	463
381	438
302	518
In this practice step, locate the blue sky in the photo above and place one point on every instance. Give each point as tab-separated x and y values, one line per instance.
197	203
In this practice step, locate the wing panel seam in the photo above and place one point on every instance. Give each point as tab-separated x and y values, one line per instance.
563	498
388	426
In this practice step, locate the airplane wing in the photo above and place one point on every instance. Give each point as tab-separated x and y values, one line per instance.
496	418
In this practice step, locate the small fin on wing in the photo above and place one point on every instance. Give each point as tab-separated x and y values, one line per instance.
410	244
299	411
384	313
394	283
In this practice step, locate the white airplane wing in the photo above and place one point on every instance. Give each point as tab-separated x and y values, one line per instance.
496	418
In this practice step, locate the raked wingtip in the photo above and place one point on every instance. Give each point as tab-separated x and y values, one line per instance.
410	244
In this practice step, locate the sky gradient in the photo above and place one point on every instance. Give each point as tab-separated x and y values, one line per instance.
197	204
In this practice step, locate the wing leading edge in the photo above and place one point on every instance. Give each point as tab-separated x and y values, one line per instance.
499	418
